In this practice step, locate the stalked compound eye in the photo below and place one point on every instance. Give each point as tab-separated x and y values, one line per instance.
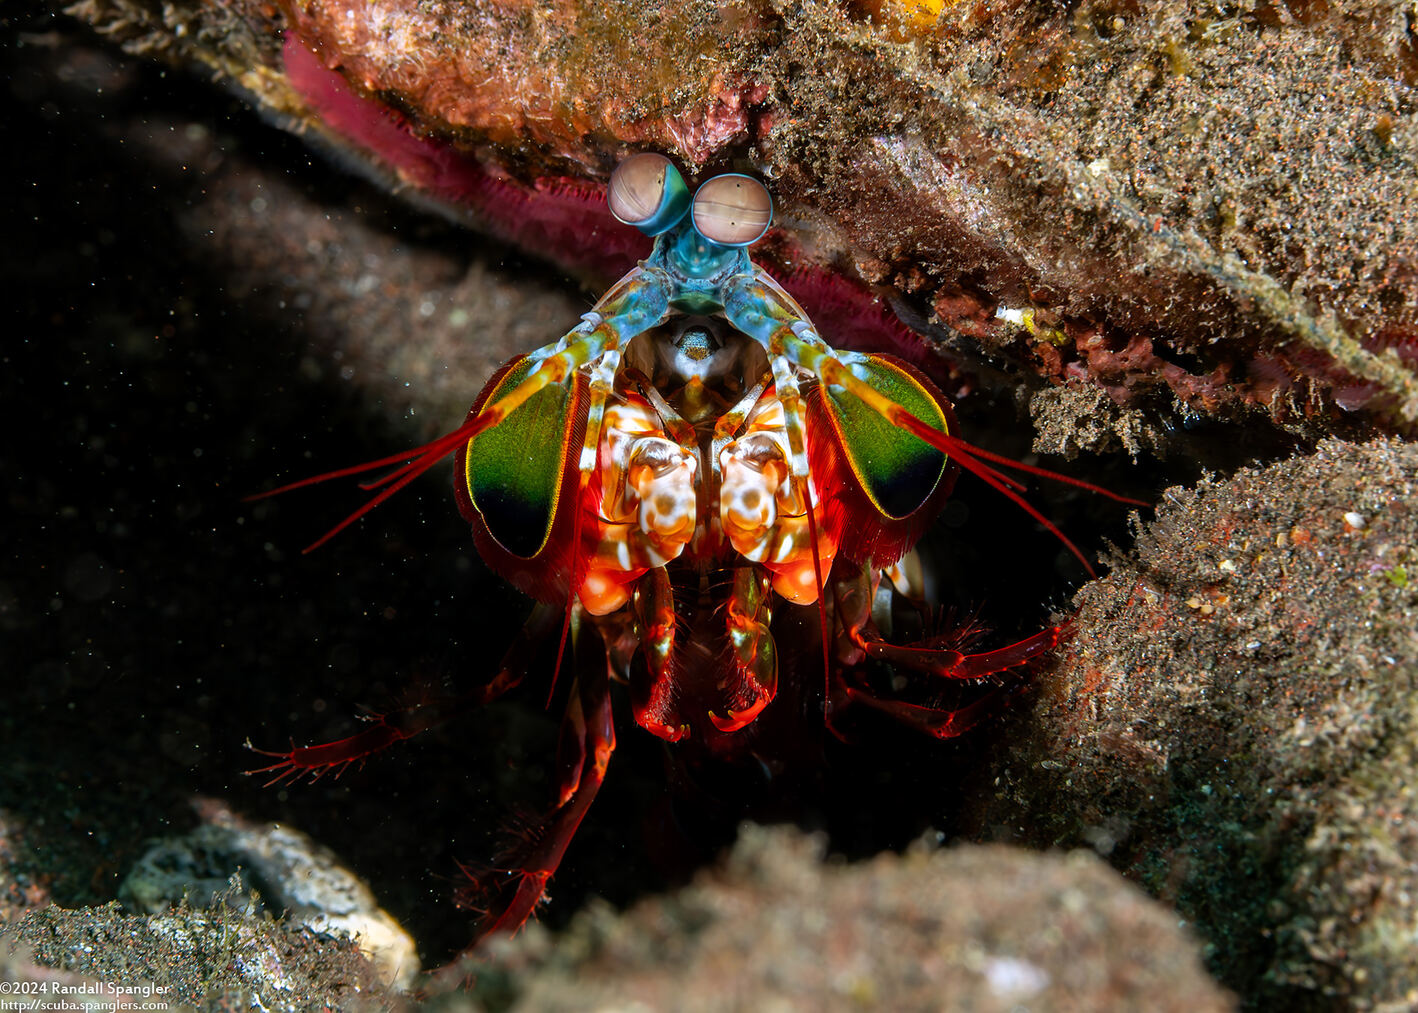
732	210
648	192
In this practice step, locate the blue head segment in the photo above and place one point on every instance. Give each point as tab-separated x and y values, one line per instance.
648	192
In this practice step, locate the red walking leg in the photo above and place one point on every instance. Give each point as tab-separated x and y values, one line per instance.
853	609
511	893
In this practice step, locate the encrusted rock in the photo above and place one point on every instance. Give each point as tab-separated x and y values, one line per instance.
281	871
982	928
1235	724
1154	181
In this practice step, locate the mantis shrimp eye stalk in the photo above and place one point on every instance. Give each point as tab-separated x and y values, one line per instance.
647	191
732	210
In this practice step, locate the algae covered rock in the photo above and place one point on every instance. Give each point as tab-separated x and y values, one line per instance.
281	871
1235	722
1143	197
775	927
218	959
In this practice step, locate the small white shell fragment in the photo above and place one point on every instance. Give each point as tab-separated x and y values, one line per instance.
1015	978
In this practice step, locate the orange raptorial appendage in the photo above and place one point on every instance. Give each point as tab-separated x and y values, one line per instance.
734	720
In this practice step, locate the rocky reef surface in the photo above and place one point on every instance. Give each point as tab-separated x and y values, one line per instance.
1145	198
